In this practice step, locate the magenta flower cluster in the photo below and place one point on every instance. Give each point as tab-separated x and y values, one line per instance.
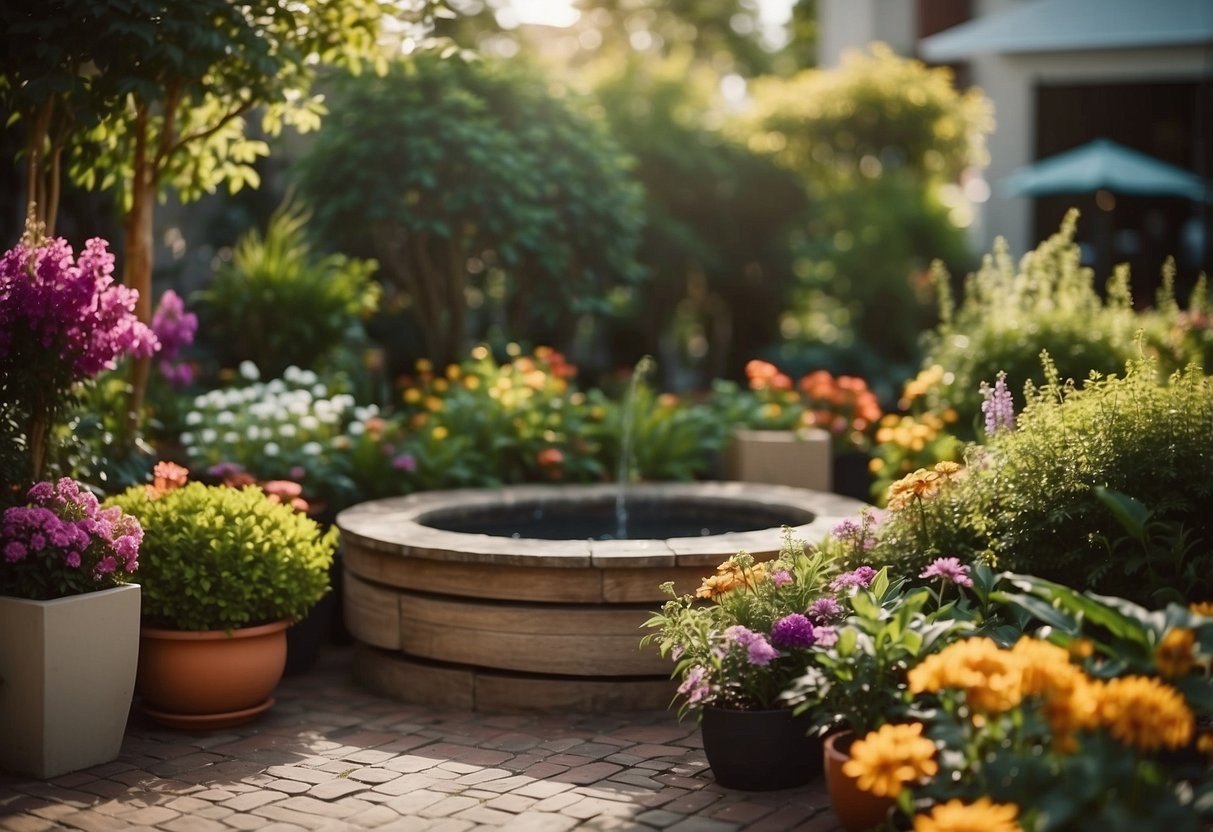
71	311
175	329
793	631
64	543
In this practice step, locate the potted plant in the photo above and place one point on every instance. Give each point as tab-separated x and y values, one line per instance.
737	643
69	624
857	691
811	433
225	572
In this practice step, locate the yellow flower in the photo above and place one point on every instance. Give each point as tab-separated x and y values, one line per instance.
471	382
887	759
433	404
424	365
1175	654
983	815
1204	744
440	432
991	678
412	395
1145	713
1204	608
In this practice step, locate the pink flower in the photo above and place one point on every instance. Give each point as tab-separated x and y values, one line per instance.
781	577
950	570
760	652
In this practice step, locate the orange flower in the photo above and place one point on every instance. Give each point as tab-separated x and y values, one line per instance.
885	760
1145	713
991	678
983	815
1176	653
167	476
550	457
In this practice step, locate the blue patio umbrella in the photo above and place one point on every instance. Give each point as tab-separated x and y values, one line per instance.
1105	165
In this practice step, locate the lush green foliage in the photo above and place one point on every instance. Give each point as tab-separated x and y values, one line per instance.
1010	313
217	558
488	197
1036	506
881	142
860	683
277	303
1104	485
718	215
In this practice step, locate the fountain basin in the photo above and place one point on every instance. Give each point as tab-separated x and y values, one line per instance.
459	617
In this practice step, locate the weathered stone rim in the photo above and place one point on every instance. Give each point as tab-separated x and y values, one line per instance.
395	524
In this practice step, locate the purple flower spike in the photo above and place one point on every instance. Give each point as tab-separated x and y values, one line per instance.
998	405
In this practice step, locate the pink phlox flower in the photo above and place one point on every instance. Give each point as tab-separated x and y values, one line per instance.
846	530
781	577
949	569
14	551
859	578
738	634
760	652
825	637
695	686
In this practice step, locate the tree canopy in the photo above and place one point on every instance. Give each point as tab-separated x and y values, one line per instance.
486	194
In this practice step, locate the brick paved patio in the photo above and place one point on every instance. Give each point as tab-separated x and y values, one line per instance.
330	756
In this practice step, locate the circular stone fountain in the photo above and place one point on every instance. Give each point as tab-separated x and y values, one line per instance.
519	599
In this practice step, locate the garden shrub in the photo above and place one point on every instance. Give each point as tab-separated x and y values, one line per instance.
1104	486
1010	313
1037	505
277	303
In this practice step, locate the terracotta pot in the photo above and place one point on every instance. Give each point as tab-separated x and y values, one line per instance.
760	750
857	810
210	679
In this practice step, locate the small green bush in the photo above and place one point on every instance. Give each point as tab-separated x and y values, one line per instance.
277	303
217	558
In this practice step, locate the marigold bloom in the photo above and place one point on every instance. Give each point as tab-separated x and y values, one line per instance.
1203	608
1145	713
1175	654
990	677
983	815
885	760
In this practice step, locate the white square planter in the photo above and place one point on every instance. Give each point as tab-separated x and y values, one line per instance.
803	458
67	674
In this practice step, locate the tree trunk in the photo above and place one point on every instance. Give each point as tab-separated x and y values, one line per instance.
137	265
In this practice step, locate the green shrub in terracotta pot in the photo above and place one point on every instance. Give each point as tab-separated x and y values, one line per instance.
224	572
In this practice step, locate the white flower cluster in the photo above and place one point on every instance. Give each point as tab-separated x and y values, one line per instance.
291	421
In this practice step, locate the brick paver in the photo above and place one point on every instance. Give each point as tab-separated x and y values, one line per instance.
330	757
